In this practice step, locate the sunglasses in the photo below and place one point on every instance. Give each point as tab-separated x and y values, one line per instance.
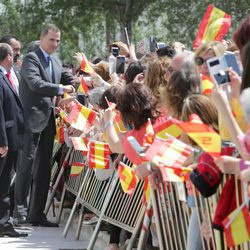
199	60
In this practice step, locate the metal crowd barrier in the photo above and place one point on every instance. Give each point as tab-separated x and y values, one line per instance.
72	184
171	217
121	209
206	207
91	194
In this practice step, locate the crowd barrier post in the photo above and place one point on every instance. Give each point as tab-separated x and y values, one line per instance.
69	221
105	204
54	188
145	227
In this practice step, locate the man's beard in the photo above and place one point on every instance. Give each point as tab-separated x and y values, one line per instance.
15	58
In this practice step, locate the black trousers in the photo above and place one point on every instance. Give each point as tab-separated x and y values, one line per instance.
34	170
6	165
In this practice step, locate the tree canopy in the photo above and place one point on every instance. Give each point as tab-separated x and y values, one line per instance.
90	26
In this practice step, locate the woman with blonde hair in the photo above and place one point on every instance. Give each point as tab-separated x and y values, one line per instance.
155	74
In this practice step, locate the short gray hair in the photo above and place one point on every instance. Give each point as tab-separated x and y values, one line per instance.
5	50
48	27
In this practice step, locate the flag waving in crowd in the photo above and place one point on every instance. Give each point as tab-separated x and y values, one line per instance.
202	134
99	155
127	177
214	25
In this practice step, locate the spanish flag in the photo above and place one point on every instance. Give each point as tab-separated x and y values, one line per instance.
99	155
167	128
64	116
202	134
170	155
76	168
79	143
237	226
78	109
149	135
85	66
207	85
214	25
119	126
127	177
59	134
83	87
146	192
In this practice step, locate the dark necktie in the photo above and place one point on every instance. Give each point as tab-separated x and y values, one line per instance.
11	81
51	70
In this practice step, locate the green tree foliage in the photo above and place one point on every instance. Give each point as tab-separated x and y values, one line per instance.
90	26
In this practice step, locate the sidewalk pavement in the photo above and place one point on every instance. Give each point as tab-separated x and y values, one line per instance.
43	238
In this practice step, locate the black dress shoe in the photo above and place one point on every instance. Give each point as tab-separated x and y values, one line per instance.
20	220
44	223
9	231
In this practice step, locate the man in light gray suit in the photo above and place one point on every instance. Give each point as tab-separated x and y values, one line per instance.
41	75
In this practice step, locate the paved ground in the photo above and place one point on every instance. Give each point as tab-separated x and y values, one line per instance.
41	238
44	238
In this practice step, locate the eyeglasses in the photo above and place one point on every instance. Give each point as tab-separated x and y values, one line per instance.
199	60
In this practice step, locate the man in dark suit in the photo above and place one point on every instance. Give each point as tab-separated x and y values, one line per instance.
41	75
11	136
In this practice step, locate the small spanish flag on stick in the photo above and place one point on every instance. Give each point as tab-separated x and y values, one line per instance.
85	66
237	226
202	134
83	87
78	108
79	143
127	177
59	134
99	155
146	192
207	85
214	25
76	168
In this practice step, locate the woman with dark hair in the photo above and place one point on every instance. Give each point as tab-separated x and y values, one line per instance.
241	35
181	84
134	68
136	104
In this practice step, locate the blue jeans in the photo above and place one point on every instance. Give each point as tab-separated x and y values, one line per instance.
194	237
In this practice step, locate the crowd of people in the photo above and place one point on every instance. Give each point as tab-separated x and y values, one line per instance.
164	84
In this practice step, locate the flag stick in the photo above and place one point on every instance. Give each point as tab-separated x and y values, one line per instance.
127	38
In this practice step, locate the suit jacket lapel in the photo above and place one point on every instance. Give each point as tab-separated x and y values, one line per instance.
44	63
9	86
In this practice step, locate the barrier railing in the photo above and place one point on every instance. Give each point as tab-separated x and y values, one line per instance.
206	207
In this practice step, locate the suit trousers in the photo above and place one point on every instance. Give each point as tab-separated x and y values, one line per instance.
34	170
6	165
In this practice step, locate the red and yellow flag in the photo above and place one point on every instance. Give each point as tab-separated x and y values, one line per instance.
79	143
202	134
59	134
83	87
149	135
146	192
85	66
237	227
99	155
64	116
171	155
167	128
78	109
127	177
207	85
76	168
214	25
119	126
